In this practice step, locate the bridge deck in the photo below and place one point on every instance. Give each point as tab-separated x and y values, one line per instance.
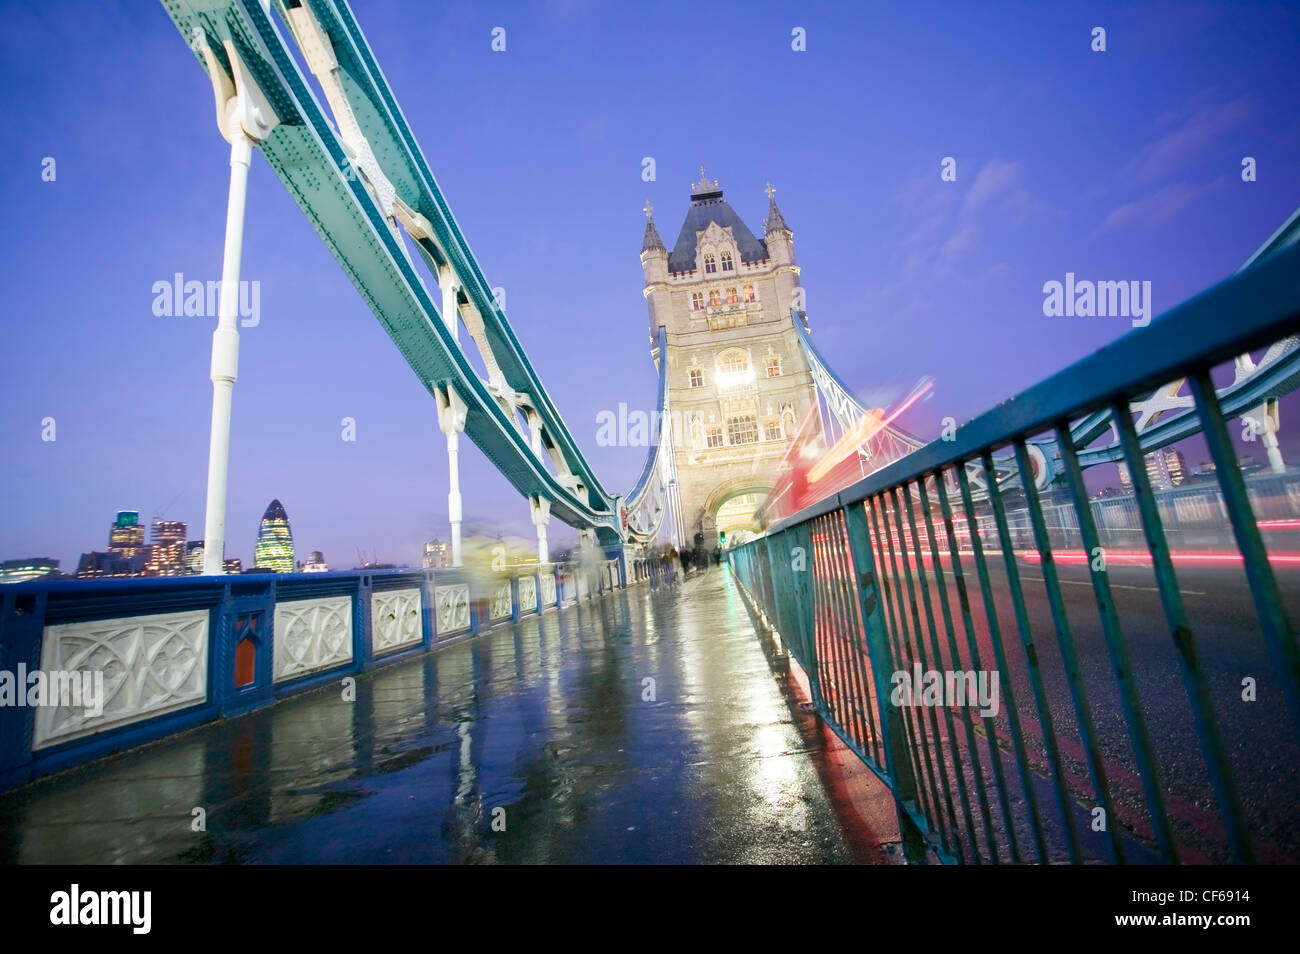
549	719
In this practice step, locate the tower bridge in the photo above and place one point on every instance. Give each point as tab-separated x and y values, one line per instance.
778	664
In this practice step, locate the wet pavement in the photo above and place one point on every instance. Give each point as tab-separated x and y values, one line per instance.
647	726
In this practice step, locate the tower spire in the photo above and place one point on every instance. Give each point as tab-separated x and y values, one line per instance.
775	220
652	239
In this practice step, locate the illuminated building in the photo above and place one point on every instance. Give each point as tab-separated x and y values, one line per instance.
166	557
234	565
31	568
315	563
194	556
111	563
126	535
435	555
274	549
1174	464
737	377
1166	469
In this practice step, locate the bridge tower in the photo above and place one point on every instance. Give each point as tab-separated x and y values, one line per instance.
738	384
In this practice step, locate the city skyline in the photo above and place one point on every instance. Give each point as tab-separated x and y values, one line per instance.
892	255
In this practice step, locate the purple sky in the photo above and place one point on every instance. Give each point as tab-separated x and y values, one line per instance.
1115	165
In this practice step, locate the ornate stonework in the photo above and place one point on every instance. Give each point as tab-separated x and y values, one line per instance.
395	619
148	664
737	415
311	635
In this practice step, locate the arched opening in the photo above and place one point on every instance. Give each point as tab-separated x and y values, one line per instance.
735	518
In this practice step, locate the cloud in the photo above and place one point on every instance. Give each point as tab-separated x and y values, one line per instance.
1192	134
995	176
960	243
1156	209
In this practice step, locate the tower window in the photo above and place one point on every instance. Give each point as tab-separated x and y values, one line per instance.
696	378
710	264
697	301
732	297
773	366
748	292
742	429
733	362
715	297
772	430
715	437
726	262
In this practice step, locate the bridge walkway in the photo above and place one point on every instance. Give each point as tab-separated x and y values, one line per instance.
648	725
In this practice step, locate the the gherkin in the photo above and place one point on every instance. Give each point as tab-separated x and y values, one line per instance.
274	549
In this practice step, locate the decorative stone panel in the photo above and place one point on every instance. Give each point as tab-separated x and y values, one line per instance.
311	635
149	665
395	619
527	594
452	610
499	607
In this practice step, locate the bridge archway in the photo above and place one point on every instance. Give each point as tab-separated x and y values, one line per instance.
730	510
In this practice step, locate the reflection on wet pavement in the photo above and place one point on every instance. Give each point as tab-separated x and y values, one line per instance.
644	727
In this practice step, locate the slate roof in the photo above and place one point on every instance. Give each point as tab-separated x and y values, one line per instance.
709	207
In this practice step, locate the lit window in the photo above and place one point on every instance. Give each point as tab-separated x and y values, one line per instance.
726	262
697	378
697	301
773	366
748	292
715	437
732	297
710	264
772	430
733	362
715	297
742	429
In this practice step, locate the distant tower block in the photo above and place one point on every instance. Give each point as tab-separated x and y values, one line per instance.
738	385
274	549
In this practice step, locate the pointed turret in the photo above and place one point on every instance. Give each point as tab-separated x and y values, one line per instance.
776	233
775	220
652	240
654	265
654	257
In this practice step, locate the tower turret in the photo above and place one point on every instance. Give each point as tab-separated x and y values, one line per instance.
776	234
654	265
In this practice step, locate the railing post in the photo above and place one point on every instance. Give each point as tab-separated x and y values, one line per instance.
798	540
897	764
22	630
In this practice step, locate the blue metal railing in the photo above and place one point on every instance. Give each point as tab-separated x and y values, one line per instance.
903	570
176	652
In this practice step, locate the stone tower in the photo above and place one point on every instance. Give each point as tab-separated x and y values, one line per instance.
738	384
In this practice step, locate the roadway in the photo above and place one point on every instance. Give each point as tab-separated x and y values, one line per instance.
1260	738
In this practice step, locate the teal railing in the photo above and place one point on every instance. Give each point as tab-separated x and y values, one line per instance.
906	574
